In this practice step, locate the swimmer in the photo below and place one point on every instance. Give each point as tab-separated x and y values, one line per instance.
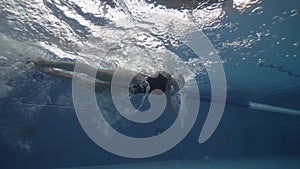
227	5
183	4
140	83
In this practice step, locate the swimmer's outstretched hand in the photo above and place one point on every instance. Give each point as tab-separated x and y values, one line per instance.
35	62
29	63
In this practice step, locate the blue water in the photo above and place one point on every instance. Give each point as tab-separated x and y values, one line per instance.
259	47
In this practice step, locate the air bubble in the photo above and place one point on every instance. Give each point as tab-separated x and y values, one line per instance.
296	44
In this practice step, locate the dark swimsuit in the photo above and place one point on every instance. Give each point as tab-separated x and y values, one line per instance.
148	84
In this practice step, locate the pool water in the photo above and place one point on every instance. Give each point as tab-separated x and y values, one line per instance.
257	42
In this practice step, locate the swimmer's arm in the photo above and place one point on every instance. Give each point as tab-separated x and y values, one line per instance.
99	86
48	67
63	75
169	103
174	110
102	86
41	63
